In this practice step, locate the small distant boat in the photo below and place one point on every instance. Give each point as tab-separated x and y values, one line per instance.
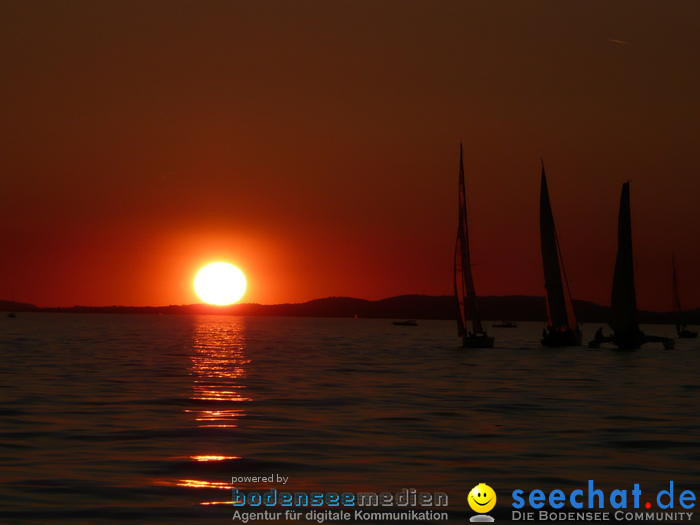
562	328
407	322
684	333
465	293
626	332
681	328
505	324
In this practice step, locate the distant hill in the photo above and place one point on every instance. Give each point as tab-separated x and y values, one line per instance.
511	307
13	306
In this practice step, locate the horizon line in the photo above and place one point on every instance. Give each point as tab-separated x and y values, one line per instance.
223	308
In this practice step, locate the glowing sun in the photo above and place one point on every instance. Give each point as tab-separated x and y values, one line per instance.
220	283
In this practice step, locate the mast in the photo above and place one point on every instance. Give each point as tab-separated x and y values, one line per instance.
464	281
624	299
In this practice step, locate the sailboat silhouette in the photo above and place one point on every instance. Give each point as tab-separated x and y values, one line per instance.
465	294
626	332
562	328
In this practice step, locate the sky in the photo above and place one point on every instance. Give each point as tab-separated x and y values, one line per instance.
315	145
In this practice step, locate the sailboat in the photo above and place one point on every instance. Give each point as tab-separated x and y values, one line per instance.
465	294
626	332
681	327
562	328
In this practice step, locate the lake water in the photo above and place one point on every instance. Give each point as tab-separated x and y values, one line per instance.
145	419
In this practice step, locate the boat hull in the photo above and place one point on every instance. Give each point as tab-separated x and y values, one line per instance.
554	338
477	341
405	323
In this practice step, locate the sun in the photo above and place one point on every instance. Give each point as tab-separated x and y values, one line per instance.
220	283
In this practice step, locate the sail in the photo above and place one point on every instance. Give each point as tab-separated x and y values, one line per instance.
624	300
459	289
463	280
560	311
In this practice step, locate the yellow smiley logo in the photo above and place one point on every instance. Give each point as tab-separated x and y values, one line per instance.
482	498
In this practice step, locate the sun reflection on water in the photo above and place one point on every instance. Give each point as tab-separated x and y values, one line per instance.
213	458
219	364
196	484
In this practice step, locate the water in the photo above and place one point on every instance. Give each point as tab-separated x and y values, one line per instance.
145	419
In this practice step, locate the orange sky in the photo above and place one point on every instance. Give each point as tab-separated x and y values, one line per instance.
315	145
